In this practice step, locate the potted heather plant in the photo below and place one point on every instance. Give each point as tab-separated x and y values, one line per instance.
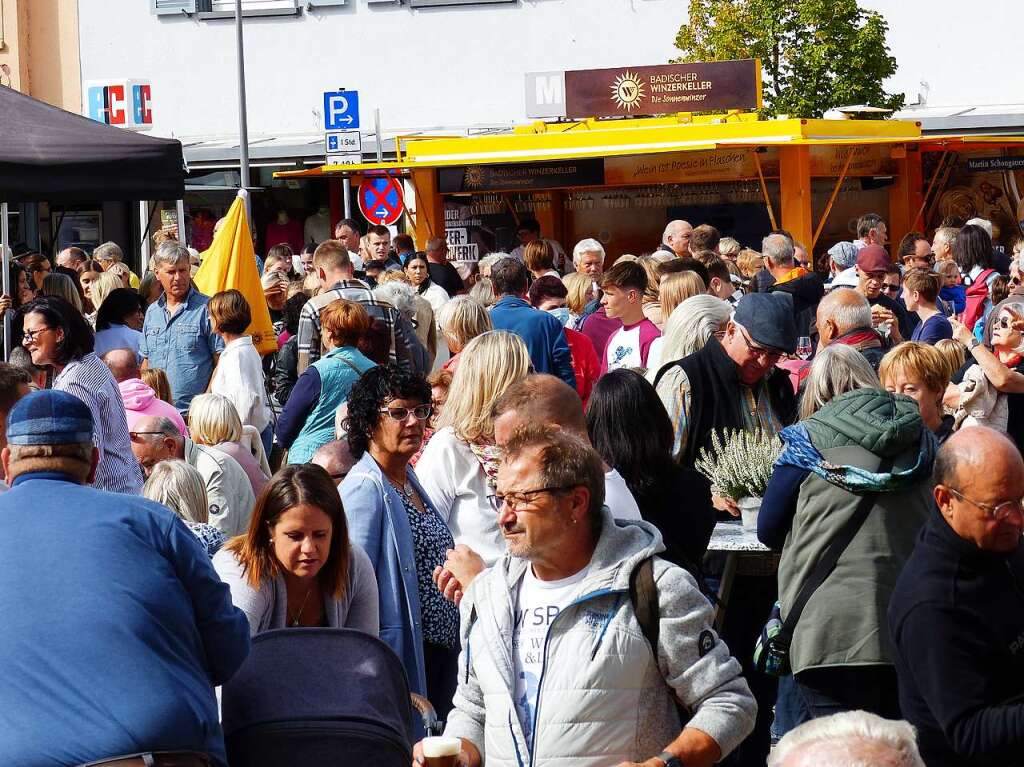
739	465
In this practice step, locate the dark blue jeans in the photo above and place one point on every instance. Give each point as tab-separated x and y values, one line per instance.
790	709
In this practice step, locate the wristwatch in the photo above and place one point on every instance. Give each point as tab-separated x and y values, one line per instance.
670	759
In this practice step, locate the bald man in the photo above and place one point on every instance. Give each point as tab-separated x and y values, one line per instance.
956	617
123	363
335	458
676	238
844	317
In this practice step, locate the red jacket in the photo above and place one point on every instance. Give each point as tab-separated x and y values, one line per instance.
585	364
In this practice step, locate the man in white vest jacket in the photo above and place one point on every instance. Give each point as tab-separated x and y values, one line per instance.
555	666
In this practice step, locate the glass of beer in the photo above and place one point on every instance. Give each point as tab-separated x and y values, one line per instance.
441	751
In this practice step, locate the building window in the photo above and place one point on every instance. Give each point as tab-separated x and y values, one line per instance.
439	3
217	9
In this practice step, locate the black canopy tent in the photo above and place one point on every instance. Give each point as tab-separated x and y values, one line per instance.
52	155
48	154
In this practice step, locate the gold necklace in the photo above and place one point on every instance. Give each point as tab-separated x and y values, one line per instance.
297	618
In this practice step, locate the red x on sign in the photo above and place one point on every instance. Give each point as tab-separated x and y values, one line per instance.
380	200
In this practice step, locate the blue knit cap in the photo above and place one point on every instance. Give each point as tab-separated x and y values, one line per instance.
49	418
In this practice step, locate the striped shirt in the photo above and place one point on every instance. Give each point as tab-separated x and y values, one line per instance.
90	380
310	344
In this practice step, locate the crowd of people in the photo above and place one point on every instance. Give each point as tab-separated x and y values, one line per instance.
493	468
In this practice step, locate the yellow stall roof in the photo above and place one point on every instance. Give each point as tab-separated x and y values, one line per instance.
540	142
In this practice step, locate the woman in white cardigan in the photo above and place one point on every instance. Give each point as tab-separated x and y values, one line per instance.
296	566
459	466
239	373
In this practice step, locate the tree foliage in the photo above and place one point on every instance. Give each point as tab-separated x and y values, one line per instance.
815	54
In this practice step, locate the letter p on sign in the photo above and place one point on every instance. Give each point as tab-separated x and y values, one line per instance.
341	110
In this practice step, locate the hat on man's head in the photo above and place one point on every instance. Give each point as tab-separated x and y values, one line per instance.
768	319
873	258
844	254
49	417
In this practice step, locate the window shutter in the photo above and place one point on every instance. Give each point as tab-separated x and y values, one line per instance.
439	3
178	7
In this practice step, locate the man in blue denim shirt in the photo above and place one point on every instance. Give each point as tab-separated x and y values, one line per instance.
177	336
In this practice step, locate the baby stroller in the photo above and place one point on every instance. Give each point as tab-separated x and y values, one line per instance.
324	697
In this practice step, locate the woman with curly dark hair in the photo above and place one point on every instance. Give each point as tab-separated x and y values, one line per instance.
394	521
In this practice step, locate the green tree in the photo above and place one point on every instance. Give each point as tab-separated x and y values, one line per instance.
815	54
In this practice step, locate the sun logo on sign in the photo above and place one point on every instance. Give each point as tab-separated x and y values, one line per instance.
474	177
628	91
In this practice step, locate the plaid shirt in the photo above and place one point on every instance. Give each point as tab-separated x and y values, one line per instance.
310	345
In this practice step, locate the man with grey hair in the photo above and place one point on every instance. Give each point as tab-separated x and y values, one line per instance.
849	739
844	317
676	238
943	242
871	230
110	253
804	286
177	336
588	258
228	490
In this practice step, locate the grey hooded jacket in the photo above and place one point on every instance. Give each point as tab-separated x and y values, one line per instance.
602	699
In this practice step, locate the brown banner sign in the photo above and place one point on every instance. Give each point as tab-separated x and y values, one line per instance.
697	87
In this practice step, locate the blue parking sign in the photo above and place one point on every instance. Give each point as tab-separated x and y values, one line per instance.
341	110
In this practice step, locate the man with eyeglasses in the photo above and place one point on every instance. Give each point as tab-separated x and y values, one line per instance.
956	617
733	382
228	489
873	264
559	669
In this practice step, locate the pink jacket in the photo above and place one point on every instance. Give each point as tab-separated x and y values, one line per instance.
140	401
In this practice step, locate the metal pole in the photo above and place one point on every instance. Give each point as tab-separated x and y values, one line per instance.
182	234
5	245
346	187
243	122
380	140
145	221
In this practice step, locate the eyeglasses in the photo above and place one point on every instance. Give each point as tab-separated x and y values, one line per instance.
768	355
517	498
890	288
999	512
29	336
422	412
137	435
1006	323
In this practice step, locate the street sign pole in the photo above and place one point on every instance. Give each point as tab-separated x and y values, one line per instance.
380	142
243	122
346	188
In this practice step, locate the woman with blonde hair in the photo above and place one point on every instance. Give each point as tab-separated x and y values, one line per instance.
689	327
157	380
459	466
729	249
214	421
750	262
651	300
103	286
581	293
676	288
920	371
461	320
56	284
180	488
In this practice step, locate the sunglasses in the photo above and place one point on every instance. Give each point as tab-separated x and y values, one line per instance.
422	412
1006	323
890	288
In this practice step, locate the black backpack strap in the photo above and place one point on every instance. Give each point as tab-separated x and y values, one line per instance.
643	594
830	558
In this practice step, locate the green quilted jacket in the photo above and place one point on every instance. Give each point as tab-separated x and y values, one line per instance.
844	622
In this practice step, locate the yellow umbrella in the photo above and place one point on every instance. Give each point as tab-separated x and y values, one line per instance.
231	263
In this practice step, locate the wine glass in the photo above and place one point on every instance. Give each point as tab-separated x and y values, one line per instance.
803	347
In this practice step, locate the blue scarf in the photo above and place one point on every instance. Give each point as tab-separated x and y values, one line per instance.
801	453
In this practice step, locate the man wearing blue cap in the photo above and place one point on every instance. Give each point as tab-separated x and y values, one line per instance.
732	383
116	627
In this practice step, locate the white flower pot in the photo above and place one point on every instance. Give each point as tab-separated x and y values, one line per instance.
749	508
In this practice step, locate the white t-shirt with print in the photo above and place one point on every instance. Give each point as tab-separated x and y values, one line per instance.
623	350
538	603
